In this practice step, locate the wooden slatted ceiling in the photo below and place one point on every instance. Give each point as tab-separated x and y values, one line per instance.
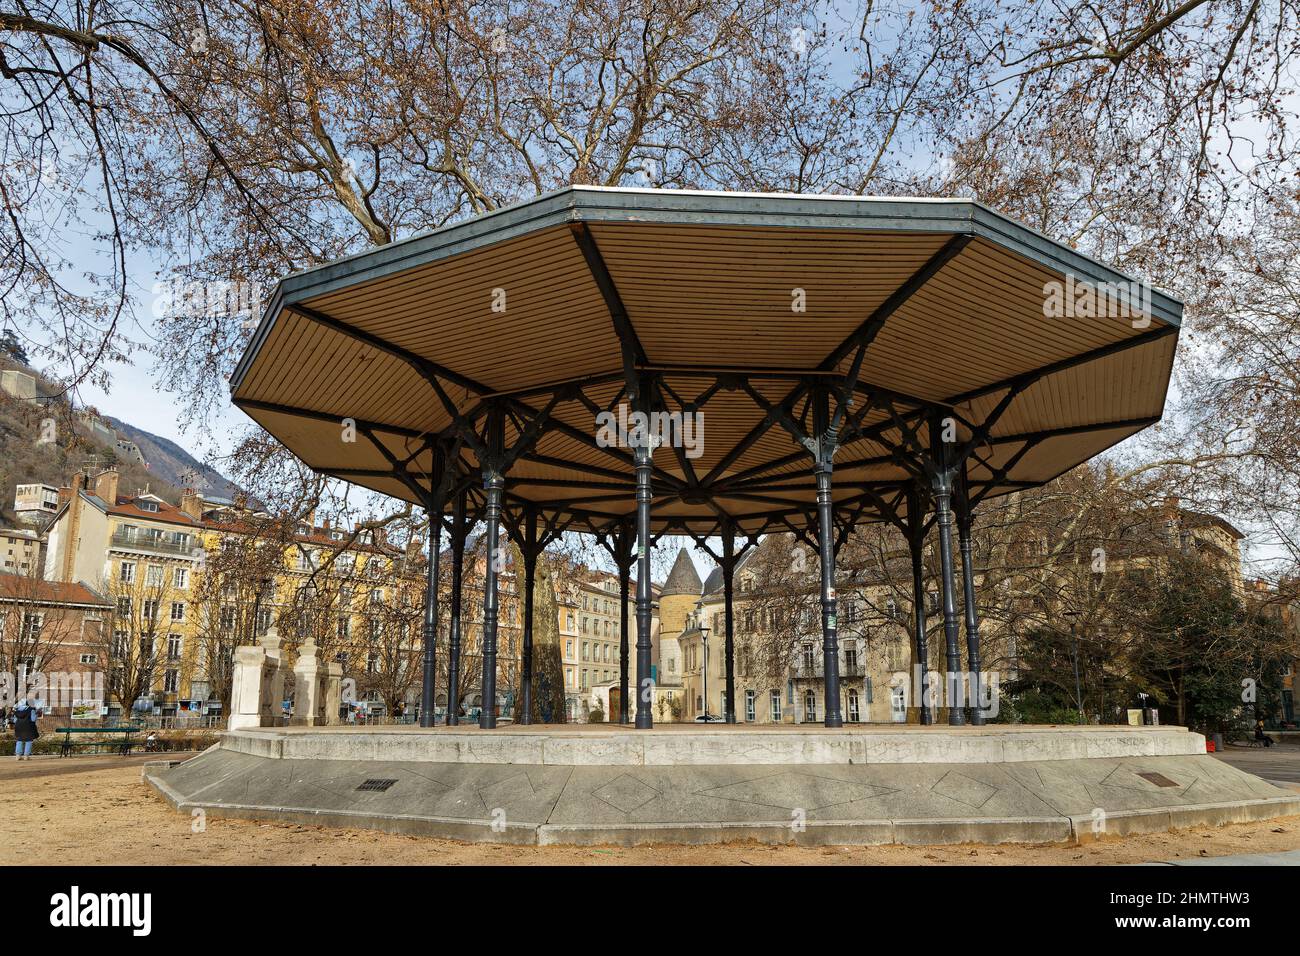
1126	385
704	295
319	443
1056	455
310	366
555	323
979	320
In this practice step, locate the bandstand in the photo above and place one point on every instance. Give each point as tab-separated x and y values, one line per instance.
845	360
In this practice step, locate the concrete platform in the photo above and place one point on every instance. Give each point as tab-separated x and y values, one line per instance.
604	784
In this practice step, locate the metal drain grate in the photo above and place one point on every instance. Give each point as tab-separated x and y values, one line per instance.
1159	779
376	784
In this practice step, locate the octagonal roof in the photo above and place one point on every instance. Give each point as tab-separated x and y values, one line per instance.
736	304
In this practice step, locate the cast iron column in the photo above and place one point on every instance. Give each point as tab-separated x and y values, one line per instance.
493	485
825	444
943	476
623	549
972	612
644	495
428	675
916	545
453	643
530	575
729	647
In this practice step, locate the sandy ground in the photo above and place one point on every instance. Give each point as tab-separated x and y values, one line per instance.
95	810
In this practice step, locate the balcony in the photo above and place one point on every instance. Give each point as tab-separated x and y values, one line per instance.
152	544
817	670
808	669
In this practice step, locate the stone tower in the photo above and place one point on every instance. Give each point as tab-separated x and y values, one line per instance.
677	602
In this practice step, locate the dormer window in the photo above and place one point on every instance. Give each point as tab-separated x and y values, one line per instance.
147	505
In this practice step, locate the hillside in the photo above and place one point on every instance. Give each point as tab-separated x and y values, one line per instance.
170	462
26	454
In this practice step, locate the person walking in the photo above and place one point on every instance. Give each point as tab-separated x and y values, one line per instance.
25	732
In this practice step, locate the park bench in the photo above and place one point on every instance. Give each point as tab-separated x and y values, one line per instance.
117	739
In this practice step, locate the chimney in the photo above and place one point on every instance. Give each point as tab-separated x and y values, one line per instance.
106	486
191	503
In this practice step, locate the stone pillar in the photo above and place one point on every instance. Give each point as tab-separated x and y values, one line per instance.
333	693
273	677
309	688
246	696
257	685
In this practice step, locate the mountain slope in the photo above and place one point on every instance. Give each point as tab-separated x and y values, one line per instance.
172	463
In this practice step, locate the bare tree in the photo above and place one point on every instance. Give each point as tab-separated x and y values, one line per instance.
134	641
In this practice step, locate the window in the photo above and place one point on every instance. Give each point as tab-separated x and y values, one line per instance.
750	698
263	619
178	610
226	617
853	707
808	658
173	646
345	627
153	576
89	658
568	651
180	577
866	685
810	706
850	657
171	681
149	610
124	607
775	699
33	621
126	572
586	651
891	609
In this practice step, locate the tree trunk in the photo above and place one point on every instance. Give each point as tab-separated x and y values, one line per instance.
548	669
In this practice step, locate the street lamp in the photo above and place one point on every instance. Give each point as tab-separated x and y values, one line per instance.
1074	637
704	638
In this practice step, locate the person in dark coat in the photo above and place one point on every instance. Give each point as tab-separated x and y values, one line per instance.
25	732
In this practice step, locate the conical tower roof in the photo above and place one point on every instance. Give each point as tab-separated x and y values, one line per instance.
683	578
